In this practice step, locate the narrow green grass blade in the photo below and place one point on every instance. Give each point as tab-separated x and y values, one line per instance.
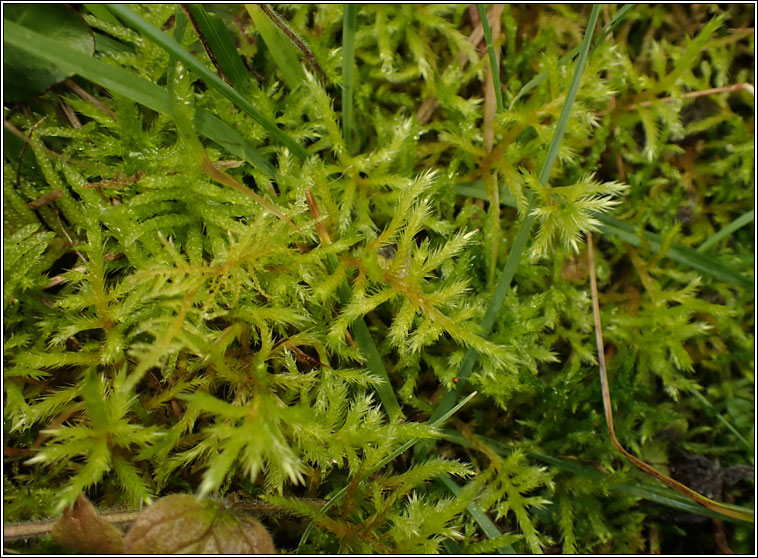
700	397
739	222
494	66
374	362
219	43
399	451
371	353
283	52
669	498
539	78
655	493
682	254
489	528
503	284
704	263
132	87
349	24
175	49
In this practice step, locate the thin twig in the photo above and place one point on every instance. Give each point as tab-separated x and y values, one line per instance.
44	199
87	97
124	518
68	110
279	22
692	94
689	95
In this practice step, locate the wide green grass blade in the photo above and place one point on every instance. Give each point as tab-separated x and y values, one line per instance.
738	223
391	457
695	259
176	50
282	50
494	66
220	45
228	137
349	24
503	284
133	87
101	12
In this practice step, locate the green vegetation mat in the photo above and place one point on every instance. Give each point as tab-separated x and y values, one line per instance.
323	269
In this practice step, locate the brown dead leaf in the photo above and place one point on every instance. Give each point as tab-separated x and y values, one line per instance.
82	529
182	524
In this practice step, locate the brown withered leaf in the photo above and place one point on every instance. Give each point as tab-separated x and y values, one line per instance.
83	530
182	524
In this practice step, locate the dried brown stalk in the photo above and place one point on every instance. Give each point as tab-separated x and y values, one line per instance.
686	491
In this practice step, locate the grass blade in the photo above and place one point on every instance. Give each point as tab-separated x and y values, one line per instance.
101	12
646	491
297	41
687	256
684	490
219	45
489	528
695	259
192	143
494	66
399	451
539	78
281	49
739	222
132	87
374	362
176	50
360	331
700	397
519	244
349	24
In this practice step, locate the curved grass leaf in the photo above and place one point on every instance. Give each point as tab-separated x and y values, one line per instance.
489	528
738	223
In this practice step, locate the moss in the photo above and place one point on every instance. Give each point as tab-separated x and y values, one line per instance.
181	320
